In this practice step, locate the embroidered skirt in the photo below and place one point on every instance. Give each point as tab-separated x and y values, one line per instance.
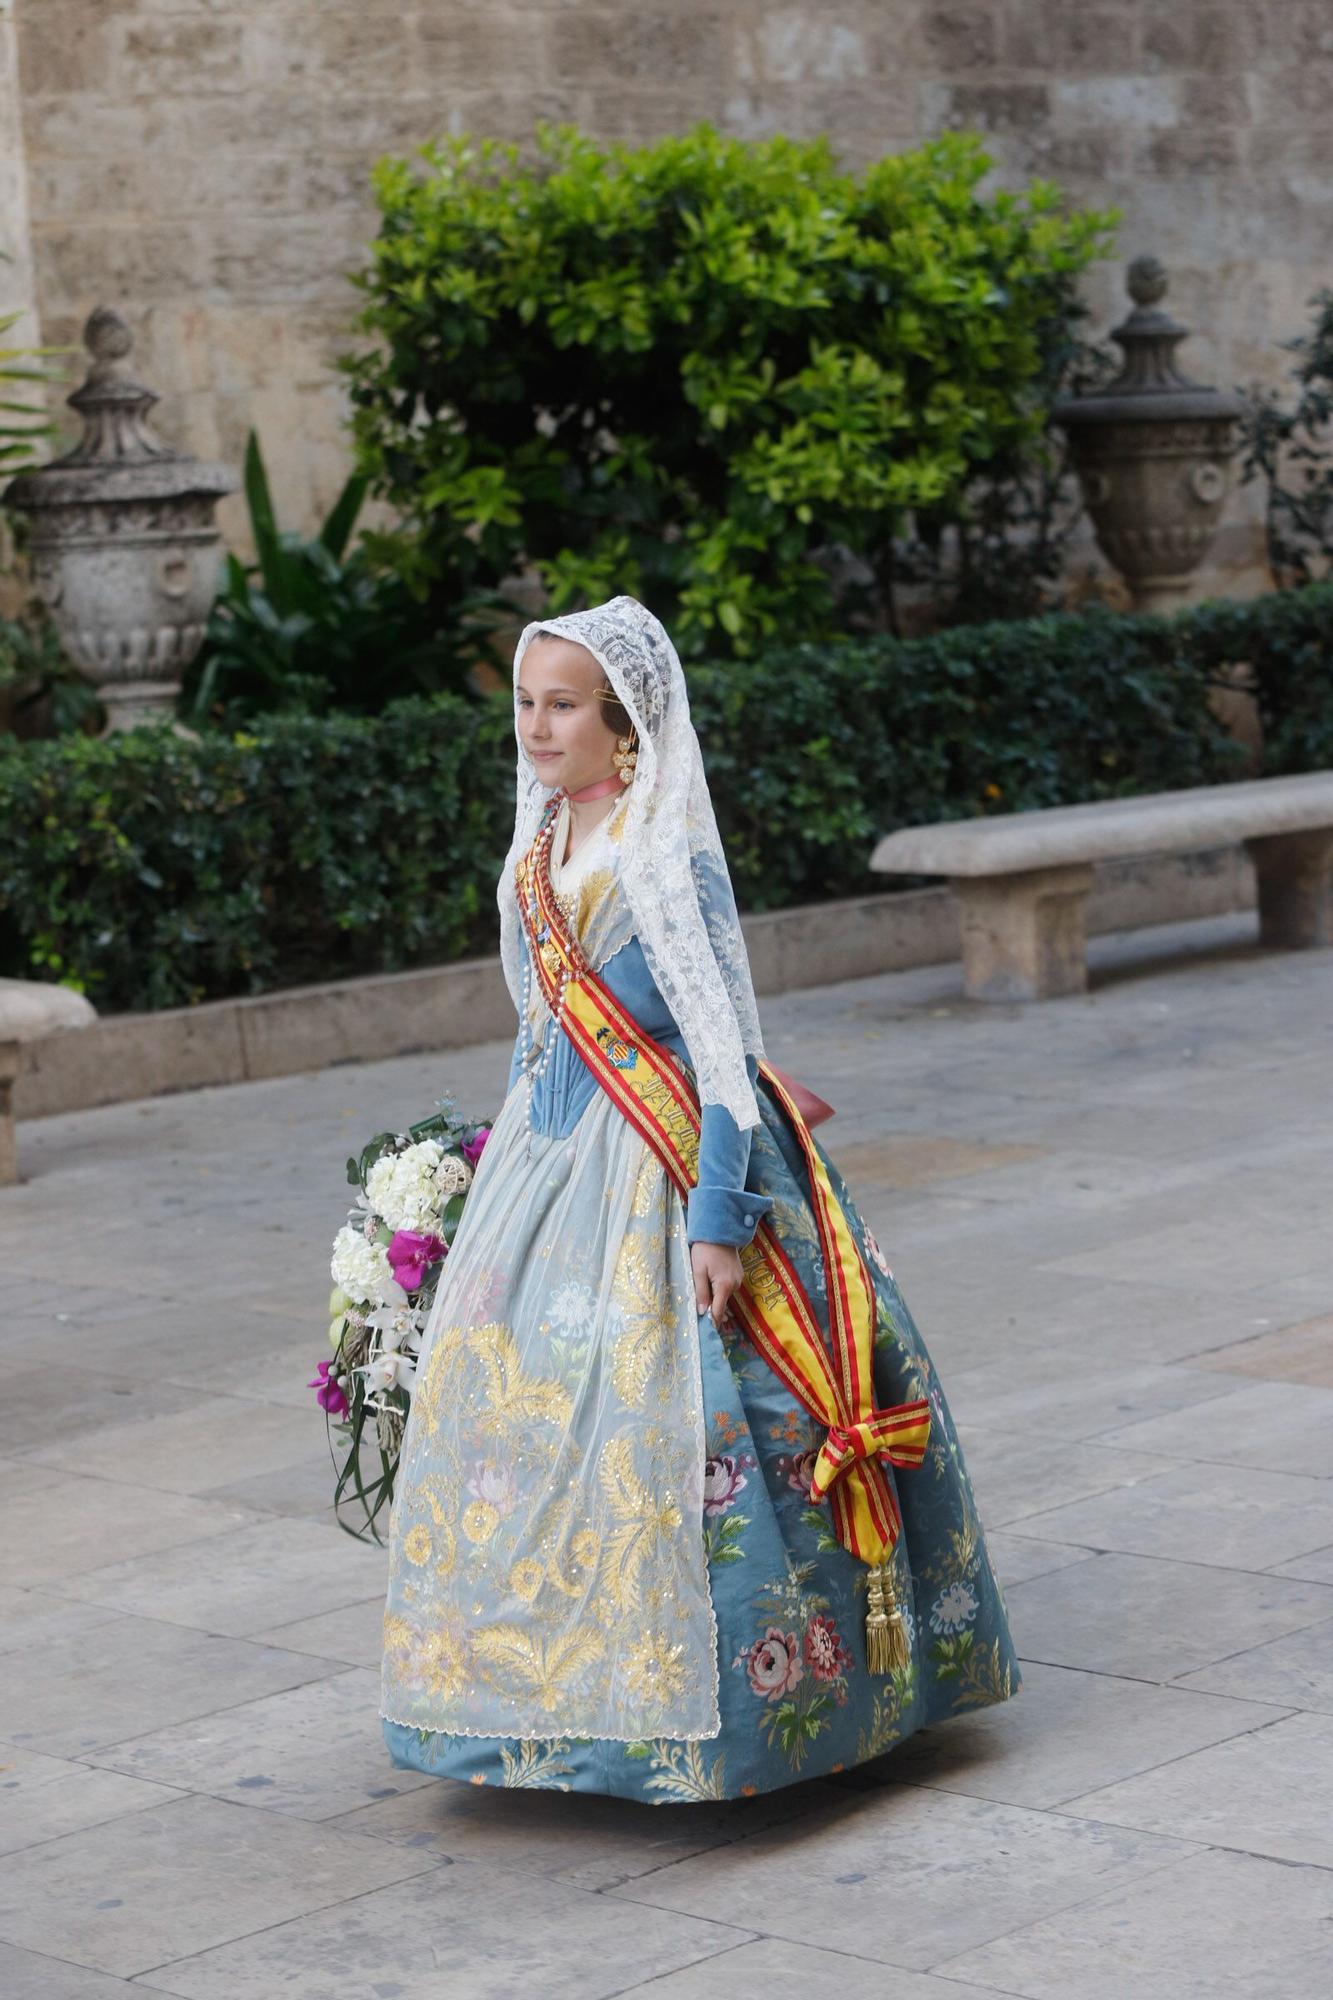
607	1573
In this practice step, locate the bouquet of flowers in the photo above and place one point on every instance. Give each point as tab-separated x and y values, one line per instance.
387	1259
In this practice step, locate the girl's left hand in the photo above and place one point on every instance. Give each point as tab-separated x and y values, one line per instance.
717	1273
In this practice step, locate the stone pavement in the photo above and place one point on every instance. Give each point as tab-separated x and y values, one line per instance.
1111	1216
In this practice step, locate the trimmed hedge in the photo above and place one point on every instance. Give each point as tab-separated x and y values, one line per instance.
151	870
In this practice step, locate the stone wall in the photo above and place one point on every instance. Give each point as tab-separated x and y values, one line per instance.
16	274
203	163
17	282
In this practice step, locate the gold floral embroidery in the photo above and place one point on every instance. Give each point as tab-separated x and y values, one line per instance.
440	1505
646	1350
480	1521
397	1633
959	1555
563	1588
526	1578
649	1185
984	1677
795	1225
655	1670
430	1385
545	1666
569	1571
617	820
416	1545
644	1518
595	886
440	1660
514	1399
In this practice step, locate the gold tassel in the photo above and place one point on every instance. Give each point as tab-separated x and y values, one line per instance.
886	1628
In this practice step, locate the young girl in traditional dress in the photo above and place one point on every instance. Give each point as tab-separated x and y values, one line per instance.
681	1512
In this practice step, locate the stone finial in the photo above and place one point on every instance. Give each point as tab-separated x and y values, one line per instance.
1148	337
106	335
114	409
1146	281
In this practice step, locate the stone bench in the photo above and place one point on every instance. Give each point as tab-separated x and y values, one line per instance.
29	1011
1021	878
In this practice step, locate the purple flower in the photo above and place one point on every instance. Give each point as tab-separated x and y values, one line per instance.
495	1484
411	1254
328	1394
472	1148
799	1471
723	1480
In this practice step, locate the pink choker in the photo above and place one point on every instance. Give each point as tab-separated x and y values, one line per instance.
599	790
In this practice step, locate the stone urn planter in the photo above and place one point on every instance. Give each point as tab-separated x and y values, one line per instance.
125	552
1153	452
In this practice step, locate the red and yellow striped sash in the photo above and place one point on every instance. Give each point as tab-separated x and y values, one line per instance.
832	1379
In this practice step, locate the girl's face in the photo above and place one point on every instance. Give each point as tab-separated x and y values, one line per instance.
560	718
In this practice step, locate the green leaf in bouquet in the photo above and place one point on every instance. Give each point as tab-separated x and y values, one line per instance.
371	1152
444	1125
372	1499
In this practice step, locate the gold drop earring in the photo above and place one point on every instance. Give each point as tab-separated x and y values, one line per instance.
625	756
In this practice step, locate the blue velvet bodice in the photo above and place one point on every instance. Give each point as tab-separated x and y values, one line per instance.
720	1208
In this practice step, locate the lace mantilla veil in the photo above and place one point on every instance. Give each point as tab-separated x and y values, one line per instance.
672	868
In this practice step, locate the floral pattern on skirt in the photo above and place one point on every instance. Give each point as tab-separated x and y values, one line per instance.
795	1697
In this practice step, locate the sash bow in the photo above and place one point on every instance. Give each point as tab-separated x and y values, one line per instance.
899	1434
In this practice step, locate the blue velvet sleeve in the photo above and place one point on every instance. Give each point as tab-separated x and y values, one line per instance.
721	1209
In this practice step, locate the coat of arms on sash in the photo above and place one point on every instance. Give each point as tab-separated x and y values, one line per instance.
618	1052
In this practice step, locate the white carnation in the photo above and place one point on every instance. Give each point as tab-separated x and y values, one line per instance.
361	1270
402	1189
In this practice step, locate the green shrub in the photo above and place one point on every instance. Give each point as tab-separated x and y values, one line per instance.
42	692
1290	446
308	627
814	751
696	369
151	870
1286	639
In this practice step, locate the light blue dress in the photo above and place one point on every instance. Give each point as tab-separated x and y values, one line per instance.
794	1697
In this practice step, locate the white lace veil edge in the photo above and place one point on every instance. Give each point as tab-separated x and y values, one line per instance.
672	866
